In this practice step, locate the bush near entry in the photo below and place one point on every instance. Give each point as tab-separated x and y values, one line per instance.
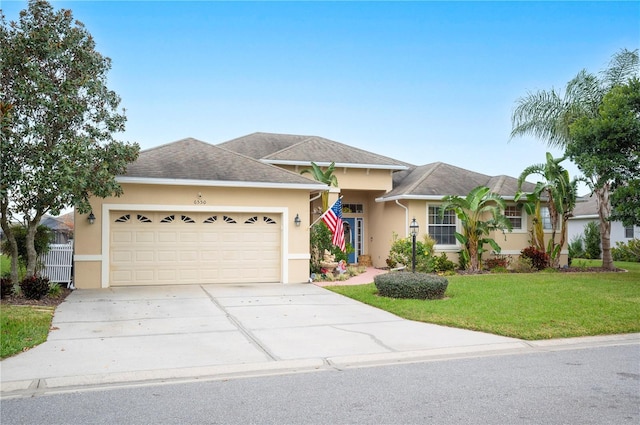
420	286
35	287
539	259
629	251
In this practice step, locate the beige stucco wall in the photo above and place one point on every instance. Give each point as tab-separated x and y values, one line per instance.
390	218
355	178
89	244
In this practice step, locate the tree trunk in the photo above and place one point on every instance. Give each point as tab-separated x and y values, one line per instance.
473	256
604	211
13	253
32	255
13	245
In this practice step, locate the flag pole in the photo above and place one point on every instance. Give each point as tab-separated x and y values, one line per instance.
323	214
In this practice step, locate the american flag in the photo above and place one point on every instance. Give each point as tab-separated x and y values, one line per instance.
333	219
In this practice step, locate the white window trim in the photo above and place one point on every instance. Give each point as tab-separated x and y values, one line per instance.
442	247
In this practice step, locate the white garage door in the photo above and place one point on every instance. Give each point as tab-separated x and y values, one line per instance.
152	248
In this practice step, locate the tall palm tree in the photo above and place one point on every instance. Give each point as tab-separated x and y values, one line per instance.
327	177
472	212
561	194
548	115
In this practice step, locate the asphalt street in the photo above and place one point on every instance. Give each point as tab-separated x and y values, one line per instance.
596	385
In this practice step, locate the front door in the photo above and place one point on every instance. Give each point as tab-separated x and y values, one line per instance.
353	233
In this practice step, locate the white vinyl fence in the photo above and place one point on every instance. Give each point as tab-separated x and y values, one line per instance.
58	262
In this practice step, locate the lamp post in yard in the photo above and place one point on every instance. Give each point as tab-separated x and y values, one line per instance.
414	228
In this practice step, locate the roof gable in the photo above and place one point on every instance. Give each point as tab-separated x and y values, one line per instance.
288	149
191	159
258	145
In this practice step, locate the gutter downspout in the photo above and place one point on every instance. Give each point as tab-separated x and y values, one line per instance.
406	218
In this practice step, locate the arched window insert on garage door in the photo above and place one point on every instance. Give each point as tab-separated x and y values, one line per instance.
123	219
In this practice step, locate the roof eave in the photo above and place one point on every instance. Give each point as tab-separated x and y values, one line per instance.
219	183
337	164
423	198
410	197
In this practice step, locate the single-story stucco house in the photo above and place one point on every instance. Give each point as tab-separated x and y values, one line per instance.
586	211
193	212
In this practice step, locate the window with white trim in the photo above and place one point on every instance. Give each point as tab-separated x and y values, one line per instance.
442	228
514	214
628	232
546	218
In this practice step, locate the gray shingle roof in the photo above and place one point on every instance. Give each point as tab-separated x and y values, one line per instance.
287	149
586	205
191	159
439	179
259	145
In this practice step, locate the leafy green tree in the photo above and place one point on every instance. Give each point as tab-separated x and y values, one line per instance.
561	193
548	115
472	211
606	149
58	121
327	177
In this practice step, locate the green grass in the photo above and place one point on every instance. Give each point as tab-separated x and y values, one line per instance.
23	327
527	306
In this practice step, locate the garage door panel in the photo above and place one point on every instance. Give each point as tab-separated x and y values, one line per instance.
193	248
121	237
145	237
165	236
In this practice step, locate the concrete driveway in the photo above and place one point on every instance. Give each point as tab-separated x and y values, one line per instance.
140	334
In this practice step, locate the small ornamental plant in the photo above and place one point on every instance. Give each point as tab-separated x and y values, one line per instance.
422	286
6	285
35	287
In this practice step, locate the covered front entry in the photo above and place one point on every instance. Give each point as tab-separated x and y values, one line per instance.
167	247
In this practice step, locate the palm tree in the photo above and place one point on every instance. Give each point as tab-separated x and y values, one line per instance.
561	194
548	115
327	177
472	211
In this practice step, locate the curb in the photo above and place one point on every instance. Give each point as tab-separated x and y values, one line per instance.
52	385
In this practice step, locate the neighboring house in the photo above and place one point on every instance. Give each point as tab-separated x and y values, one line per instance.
61	226
196	213
586	211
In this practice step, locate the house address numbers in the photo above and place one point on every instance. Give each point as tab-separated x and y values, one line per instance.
199	200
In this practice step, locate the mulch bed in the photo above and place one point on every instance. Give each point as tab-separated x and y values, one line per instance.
46	301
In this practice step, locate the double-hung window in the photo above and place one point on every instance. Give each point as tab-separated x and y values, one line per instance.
546	218
514	214
442	228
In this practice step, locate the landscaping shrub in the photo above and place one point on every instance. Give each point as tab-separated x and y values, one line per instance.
524	265
320	238
498	261
539	259
411	285
6	287
576	250
35	287
402	253
442	264
592	240
629	251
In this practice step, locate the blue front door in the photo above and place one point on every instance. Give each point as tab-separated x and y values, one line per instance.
349	226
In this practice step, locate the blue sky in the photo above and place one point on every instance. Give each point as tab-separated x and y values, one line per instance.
416	81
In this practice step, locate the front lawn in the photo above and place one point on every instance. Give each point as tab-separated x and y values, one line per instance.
23	327
527	306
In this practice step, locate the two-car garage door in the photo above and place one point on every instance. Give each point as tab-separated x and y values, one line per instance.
152	248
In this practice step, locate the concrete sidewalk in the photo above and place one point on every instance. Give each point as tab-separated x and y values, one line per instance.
131	335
